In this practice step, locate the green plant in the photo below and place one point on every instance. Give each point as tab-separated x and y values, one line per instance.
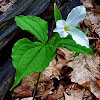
30	56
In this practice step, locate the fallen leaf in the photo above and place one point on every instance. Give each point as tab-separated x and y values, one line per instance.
27	83
75	95
44	89
93	15
93	63
95	89
63	57
85	69
57	94
86	85
80	73
68	55
76	92
23	94
49	73
98	82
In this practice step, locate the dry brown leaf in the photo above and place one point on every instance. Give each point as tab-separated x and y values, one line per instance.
63	57
75	95
23	94
98	82
95	89
93	15
85	70
68	55
27	83
80	74
49	73
57	94
86	85
44	89
60	65
93	63
76	92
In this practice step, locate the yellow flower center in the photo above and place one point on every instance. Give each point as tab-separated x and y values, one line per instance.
66	28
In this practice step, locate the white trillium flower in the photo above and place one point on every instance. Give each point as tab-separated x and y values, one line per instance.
68	27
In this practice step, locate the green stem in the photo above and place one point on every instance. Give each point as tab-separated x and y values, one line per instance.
35	88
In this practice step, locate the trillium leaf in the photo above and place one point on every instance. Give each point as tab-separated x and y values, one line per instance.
30	57
35	25
57	13
76	54
86	31
78	27
57	16
68	37
54	41
72	46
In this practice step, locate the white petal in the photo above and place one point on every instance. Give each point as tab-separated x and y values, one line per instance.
75	16
79	37
57	29
61	32
60	23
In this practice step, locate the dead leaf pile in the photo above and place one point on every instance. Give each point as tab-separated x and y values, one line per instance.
74	92
93	15
86	70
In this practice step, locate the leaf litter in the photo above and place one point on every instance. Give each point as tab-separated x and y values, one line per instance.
65	78
85	74
92	21
93	15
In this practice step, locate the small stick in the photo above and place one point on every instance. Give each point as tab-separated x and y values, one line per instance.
36	86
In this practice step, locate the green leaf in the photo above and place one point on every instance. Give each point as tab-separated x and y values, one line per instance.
78	27
35	25
91	47
68	36
76	54
30	57
54	41
72	46
57	13
86	31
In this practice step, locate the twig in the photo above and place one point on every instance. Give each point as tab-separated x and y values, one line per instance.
35	88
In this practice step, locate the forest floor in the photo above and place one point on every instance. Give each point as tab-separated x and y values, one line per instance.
65	78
